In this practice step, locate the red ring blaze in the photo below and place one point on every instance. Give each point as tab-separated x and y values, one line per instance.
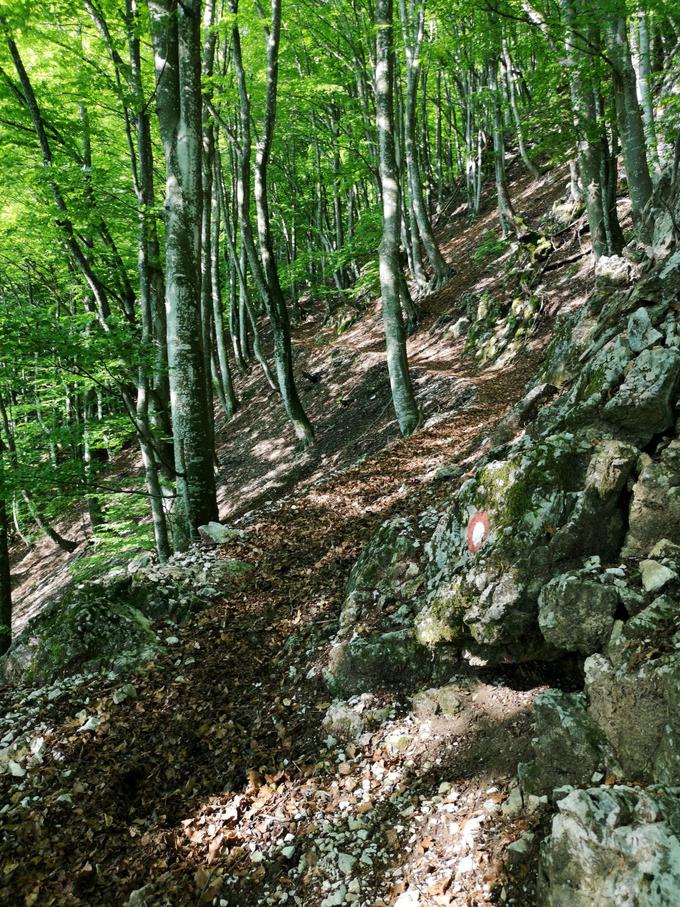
474	539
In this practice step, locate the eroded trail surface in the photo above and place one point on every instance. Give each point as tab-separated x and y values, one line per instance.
212	779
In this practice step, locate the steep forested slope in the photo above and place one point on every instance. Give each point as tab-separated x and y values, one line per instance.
227	721
221	770
339	541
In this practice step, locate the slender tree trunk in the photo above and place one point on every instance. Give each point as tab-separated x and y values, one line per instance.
438	145
587	136
413	27
244	313
5	577
263	267
277	311
33	508
152	408
16	520
94	507
506	213
151	411
176	31
222	373
609	177
409	226
43	525
207	325
631	129
575	188
645	87
239	263
512	97
403	398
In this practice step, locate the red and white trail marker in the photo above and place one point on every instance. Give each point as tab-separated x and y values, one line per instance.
477	530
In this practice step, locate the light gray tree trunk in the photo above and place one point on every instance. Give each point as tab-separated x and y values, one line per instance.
33	508
640	46
5	578
239	263
207	325
506	214
631	129
152	408
413	23
510	82
409	227
263	267
176	36
403	398
223	379
588	146
94	508
275	302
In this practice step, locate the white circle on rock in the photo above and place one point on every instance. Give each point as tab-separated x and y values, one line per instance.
478	533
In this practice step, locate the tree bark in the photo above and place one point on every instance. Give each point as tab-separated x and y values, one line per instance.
588	146
5	577
506	212
631	129
275	302
176	36
645	87
412	21
222	373
403	398
514	106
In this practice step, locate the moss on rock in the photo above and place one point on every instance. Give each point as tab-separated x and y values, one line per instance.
93	627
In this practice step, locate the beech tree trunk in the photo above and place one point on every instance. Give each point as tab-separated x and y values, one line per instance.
413	23
506	213
629	116
176	35
222	371
390	268
588	147
5	578
5	584
263	267
644	84
275	302
514	107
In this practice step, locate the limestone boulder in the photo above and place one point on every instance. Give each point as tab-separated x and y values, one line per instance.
655	507
613	846
641	332
550	502
460	328
643	405
634	694
447	700
613	270
219	534
375	647
568	747
576	612
393	660
96	626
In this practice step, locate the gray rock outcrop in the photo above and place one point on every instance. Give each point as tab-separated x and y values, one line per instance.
613	846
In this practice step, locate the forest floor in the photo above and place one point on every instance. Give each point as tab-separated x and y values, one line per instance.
215	782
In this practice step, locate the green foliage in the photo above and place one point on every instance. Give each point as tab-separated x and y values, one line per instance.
491	246
368	284
324	192
125	533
